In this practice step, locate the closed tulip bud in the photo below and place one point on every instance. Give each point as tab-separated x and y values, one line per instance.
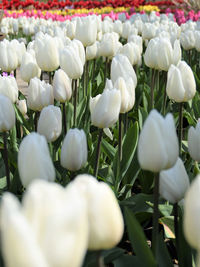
71	27
78	46
40	94
9	88
50	123
127	90
192	215
126	28
34	160
17	233
181	85
117	27
160	54
108	45
86	30
174	182
20	49
62	87
46	53
194	142
132	51
121	67
21	105
8	56
106	224
136	39
148	31
71	62
187	39
7	114
74	150
105	108
29	67
158	143
91	51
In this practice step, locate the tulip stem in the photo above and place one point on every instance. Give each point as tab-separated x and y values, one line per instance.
98	152
50	77
153	74
36	120
75	101
41	76
176	224
180	128
155	215
86	79
64	119
93	70
165	96
120	139
100	261
6	160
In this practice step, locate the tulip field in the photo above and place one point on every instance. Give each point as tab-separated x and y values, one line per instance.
99	133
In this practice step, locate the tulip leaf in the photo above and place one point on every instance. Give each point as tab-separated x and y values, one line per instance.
138	240
163	256
108	149
168	225
128	261
80	110
128	150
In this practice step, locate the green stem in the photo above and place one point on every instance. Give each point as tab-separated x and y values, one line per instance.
100	261
98	152
152	88
86	77
50	78
41	75
155	215
36	120
6	160
165	96
180	127
120	139
125	122
75	101
176	224
64	119
93	70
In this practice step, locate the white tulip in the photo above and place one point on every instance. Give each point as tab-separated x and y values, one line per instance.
34	160
9	88
62	86
7	114
194	142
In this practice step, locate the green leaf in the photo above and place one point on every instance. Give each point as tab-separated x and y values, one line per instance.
81	109
112	254
163	256
108	149
127	261
168	225
138	240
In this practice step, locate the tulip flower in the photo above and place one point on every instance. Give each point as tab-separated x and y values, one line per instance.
40	94
174	182
106	224
132	51
160	54
21	105
91	51
7	114
29	67
50	123
70	30
105	108
8	56
71	63
109	45
194	142
121	67
46	53
191	214
181	85
158	143
86	30
74	150
20	49
62	86
9	88
58	216
187	39
34	159
17	233
148	31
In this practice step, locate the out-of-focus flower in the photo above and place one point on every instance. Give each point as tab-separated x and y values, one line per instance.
9	88
62	87
7	114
